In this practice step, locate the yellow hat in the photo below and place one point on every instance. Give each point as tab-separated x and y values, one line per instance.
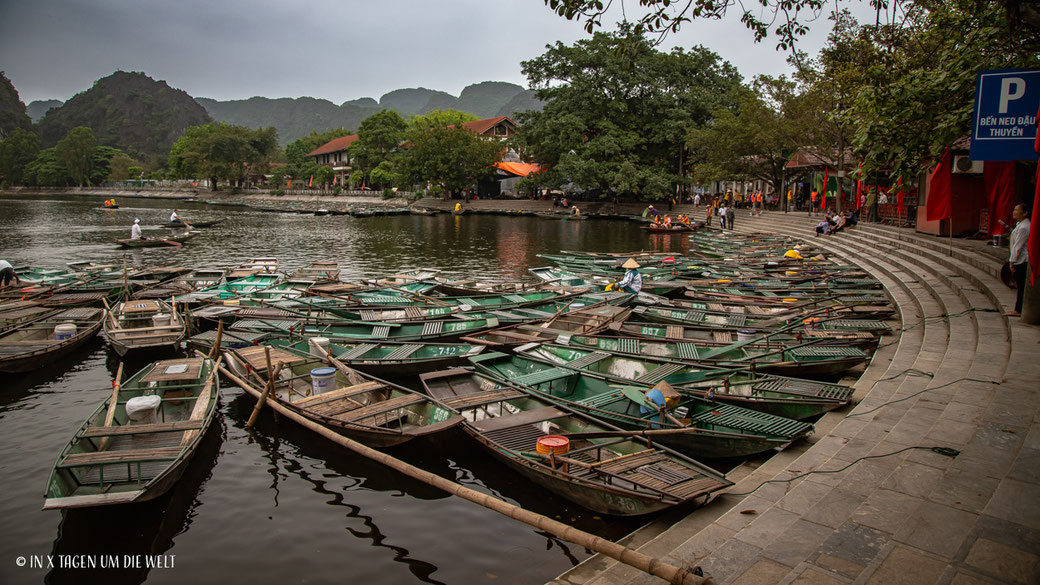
630	263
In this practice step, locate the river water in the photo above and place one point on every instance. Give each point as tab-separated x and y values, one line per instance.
276	504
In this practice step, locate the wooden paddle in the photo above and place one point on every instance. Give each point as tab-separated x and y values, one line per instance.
112	403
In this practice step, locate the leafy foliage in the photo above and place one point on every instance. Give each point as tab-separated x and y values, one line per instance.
297	163
450	157
76	151
617	112
16	151
12	110
222	152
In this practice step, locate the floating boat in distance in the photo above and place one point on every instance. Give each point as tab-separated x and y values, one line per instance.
255	266
194	224
175	240
138	442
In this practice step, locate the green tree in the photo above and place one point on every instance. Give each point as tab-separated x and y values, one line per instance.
100	164
296	151
47	170
12	110
379	137
76	151
451	157
439	118
222	152
16	151
618	112
119	168
323	176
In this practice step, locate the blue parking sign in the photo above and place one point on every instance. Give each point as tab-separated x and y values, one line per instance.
1004	125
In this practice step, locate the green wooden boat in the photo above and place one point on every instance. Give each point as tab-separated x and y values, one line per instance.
232	289
783	396
366	409
703	336
734	322
808	359
116	458
390	359
443	329
33	345
586	320
694	426
603	470
174	241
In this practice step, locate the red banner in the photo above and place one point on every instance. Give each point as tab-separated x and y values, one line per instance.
1034	237
311	182
1000	195
939	205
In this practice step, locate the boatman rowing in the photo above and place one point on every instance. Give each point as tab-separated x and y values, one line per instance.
174	218
135	231
632	282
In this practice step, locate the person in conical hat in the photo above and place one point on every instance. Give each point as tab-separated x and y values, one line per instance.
632	282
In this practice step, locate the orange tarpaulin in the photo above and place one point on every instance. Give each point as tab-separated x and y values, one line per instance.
520	169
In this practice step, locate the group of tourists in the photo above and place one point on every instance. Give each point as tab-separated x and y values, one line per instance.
835	222
667	221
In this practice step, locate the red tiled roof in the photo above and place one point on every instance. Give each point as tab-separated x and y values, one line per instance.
482	126
334	145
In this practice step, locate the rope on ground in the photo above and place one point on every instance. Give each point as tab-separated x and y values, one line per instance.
890	402
947	316
947	451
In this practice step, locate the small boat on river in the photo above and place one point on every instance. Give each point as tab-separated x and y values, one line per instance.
144	325
194	224
374	412
138	442
32	345
174	241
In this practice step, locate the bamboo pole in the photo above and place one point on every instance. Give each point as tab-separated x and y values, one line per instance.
215	350
110	417
657	567
272	374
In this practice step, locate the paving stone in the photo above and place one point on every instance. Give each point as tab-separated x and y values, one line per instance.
966	579
703	543
804	497
835	508
951	433
913	479
936	528
839	565
730	560
1007	563
797	544
964	491
813	577
735	520
866	476
1027	466
1016	501
855	543
907	567
961	412
767	527
764	572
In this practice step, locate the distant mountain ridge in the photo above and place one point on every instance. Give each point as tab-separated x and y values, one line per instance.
294	118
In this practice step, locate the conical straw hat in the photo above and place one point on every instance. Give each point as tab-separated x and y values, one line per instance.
630	263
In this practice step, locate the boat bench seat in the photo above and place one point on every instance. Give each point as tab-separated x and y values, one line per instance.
526	417
120	456
372	412
103	431
344	392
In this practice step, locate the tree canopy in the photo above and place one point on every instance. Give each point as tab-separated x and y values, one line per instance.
450	157
222	152
617	112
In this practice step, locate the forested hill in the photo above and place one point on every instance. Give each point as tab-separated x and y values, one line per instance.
129	111
12	110
297	117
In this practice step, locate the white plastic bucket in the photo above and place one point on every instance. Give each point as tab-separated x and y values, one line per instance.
160	319
323	379
318	342
65	331
746	334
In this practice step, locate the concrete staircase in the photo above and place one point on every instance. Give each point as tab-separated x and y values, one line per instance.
954	374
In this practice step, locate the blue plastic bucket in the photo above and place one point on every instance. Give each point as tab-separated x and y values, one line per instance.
323	379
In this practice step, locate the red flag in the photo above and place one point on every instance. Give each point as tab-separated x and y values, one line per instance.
311	182
1000	195
899	197
824	190
939	205
1034	238
859	194
290	183
334	177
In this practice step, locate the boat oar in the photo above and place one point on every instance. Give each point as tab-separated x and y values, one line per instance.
272	375
112	402
647	564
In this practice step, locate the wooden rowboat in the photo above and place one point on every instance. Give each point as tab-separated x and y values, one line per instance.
693	426
368	410
143	326
194	224
115	459
391	359
176	240
604	470
32	345
673	229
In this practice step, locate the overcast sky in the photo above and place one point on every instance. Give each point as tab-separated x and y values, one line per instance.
337	50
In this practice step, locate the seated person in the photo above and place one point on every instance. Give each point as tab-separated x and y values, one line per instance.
823	227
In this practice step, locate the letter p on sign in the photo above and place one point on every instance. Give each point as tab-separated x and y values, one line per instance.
1011	88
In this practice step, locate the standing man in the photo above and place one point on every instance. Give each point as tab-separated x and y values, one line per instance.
731	214
722	216
812	203
1018	257
7	274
